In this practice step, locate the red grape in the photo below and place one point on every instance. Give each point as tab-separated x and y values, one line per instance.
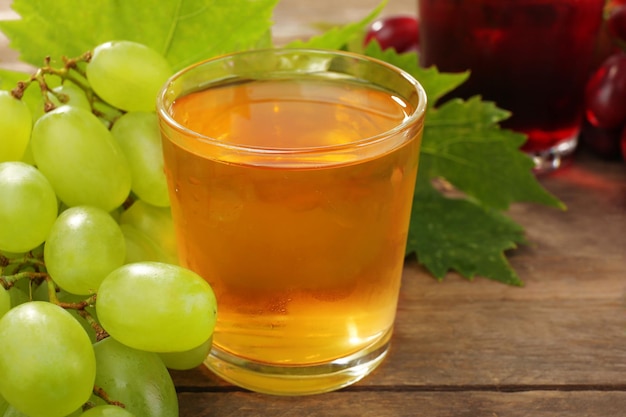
400	32
616	22
605	94
603	142
623	143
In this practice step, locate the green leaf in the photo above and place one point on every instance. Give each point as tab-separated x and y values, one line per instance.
9	78
32	97
464	144
184	31
436	83
457	234
340	36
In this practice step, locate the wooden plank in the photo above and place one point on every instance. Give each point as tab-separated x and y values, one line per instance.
459	333
407	404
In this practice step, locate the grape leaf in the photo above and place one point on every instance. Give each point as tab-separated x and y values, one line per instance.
436	83
337	37
8	81
455	233
184	31
464	144
9	78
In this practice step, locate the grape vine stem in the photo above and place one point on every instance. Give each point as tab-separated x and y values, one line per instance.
73	72
100	332
7	281
100	392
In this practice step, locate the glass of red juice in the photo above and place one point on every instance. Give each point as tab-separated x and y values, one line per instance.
531	57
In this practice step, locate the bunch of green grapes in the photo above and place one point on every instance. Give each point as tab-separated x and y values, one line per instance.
94	307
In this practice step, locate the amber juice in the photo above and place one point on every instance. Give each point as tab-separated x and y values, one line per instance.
292	200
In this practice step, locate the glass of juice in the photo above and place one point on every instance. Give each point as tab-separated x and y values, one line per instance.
291	176
532	57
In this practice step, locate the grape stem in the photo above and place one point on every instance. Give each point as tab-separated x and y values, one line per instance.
80	305
88	405
7	281
73	72
100	392
21	262
80	308
100	332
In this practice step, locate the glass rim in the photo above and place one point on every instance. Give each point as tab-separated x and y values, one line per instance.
413	118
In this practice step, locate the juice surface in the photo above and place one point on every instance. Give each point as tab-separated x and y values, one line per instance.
305	260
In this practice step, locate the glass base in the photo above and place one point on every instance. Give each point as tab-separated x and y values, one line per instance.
553	158
298	380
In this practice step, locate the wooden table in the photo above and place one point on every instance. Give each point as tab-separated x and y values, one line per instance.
556	347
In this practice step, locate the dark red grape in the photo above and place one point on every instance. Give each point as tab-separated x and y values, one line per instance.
623	143
604	143
616	22
605	93
400	32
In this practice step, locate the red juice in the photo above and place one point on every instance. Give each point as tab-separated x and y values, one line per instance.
532	57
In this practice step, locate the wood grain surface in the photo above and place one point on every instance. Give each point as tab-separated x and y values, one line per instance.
555	347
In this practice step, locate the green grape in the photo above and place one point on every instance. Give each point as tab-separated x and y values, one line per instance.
84	245
28	207
117	213
13	412
137	379
107	411
20	293
11	267
70	93
18	296
15	127
3	405
127	75
156	223
189	359
139	137
157	307
48	365
5	301
75	96
79	156
28	155
72	298
41	294
11	255
140	248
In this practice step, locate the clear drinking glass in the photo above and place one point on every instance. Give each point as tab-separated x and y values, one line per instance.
532	57
291	177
